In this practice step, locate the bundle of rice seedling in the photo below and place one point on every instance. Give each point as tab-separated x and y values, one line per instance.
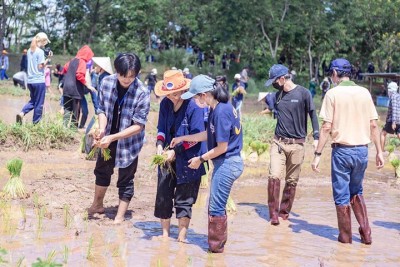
396	164
105	153
14	188
230	205
94	131
159	160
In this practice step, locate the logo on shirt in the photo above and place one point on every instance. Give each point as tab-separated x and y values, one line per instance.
294	100
237	131
212	128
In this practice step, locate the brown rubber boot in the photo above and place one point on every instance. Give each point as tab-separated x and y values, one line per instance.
273	200
217	233
344	223
287	201
360	211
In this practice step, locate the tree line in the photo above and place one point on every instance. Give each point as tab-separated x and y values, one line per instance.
302	34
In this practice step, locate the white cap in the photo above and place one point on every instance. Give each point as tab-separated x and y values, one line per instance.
392	86
154	71
42	36
186	70
237	76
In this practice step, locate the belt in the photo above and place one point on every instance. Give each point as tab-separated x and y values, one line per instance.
348	146
289	140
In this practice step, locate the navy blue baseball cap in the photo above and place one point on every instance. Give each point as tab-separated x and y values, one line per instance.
340	64
199	84
275	72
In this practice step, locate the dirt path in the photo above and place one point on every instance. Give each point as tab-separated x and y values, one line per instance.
62	180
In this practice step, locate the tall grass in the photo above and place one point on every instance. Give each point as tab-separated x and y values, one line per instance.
257	132
48	133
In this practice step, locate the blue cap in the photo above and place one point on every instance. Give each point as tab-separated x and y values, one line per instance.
200	84
275	72
340	64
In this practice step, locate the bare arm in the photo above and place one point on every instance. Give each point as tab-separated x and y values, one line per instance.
375	139
220	149
198	137
323	138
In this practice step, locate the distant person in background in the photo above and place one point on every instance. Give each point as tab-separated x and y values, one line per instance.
74	85
187	74
200	58
392	125
151	81
312	87
238	92
24	61
325	85
58	72
4	65
47	78
20	78
269	99
224	60
36	81
371	67
244	77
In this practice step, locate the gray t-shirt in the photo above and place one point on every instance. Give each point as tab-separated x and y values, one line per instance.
35	75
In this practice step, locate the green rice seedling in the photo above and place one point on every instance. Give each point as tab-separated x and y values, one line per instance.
14	188
396	165
86	219
394	141
115	251
159	160
40	215
230	205
89	253
67	216
3	252
390	148
23	212
65	254
19	262
105	152
36	201
48	262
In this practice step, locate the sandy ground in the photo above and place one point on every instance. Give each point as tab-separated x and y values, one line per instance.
62	181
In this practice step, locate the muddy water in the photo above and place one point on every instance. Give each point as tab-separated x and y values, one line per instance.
61	181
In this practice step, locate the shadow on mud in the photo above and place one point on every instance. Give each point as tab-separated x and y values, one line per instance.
315	229
388	225
153	228
261	209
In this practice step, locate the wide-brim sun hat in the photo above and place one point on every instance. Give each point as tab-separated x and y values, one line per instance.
261	96
200	84
104	63
237	76
392	86
173	81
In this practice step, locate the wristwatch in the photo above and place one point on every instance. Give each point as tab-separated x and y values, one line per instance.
201	159
317	154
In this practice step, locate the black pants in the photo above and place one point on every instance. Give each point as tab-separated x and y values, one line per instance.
168	192
72	110
105	169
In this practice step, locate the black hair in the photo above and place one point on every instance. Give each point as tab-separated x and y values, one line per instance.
220	78
220	93
127	62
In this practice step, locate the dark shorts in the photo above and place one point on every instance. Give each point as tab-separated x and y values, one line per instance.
388	128
170	195
105	169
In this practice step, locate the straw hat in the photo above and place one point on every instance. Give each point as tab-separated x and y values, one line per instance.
4	52
261	96
174	81
104	63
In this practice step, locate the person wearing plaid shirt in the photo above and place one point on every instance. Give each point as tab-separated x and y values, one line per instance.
124	104
392	125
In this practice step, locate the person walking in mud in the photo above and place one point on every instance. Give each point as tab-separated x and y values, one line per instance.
392	125
36	81
74	85
177	186
350	118
225	141
124	103
292	106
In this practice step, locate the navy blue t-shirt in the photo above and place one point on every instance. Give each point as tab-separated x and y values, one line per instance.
224	126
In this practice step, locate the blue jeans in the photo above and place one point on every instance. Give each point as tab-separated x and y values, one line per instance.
226	171
37	93
348	168
85	112
3	74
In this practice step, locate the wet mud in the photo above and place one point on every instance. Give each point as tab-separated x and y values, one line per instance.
61	186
